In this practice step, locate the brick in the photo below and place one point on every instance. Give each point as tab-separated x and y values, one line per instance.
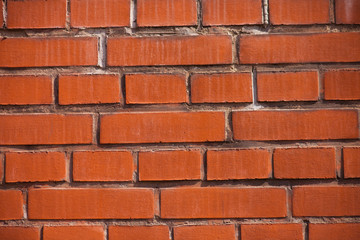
162	127
90	203
166	13
288	12
1	15
24	90
335	231
300	48
292	163
139	232
322	201
351	162
221	88
155	88
238	164
231	12
2	170
342	85
11	205
35	167
19	233
30	52
89	89
44	129
36	14
102	166
100	13
347	11
295	125
215	232
217	202
272	231
169	165
290	86
92	232
179	50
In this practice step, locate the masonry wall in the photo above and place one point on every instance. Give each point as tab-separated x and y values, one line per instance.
179	119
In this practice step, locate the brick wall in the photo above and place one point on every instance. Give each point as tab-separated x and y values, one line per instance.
179	119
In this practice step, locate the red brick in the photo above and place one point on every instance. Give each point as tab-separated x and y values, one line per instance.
238	164
221	88
295	12
2	170
304	163
272	231
91	203
351	162
231	12
30	52
139	232
34	129
19	233
36	14
89	89
162	127
295	125
335	231
342	85
11	204
347	11
300	48
326	201
169	165
92	232
100	13
166	13
1	15
216	202
23	90
102	166
179	50
220	232
155	88
35	167
297	86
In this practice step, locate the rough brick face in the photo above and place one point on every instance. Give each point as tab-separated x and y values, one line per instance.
334	231
351	162
11	204
15	233
347	11
226	232
139	232
73	232
272	231
342	85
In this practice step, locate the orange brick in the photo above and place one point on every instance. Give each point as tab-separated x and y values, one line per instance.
220	232
92	232
347	11
304	163
169	165
36	14
162	127
231	12
30	52
216	202
272	231
221	88
166	13
289	12
89	89
91	203
102	166
34	129
1	15
100	13
238	164
335	231
179	50
139	232
322	201
19	233
295	125
35	167
351	162
297	86
23	90
155	88
300	48
11	205
342	85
